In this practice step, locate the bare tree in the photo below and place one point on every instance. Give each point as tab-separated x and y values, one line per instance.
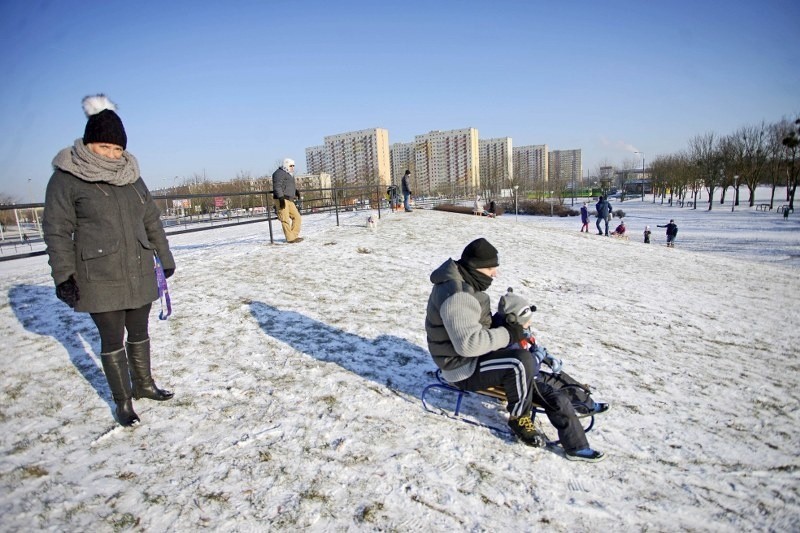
791	143
745	154
704	150
774	154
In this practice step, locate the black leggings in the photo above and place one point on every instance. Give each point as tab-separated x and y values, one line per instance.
112	325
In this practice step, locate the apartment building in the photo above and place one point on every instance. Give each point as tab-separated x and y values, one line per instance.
496	163
530	165
447	159
315	159
402	159
565	166
358	157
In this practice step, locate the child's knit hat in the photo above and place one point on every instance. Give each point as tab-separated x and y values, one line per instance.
514	308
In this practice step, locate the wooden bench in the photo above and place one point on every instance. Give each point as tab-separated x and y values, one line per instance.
763	207
783	208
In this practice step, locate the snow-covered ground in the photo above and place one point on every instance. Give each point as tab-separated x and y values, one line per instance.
297	372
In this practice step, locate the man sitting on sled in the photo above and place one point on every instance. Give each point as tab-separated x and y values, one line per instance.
474	356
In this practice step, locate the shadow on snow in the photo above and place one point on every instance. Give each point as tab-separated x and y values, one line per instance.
40	312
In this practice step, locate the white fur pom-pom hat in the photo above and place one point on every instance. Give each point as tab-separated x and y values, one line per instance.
104	125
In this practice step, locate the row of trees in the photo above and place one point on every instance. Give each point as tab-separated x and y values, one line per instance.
763	154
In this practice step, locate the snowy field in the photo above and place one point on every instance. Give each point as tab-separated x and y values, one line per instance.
297	372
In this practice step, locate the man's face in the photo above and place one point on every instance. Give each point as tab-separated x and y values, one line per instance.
490	271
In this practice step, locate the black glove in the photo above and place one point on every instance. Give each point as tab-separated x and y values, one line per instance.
168	272
515	331
68	292
282	202
297	194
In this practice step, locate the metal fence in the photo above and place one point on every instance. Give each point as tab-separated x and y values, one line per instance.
21	230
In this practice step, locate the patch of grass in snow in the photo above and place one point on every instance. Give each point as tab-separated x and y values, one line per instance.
313	495
369	513
219	497
20	446
264	456
72	512
33	471
124	521
155	499
15	391
329	401
475	468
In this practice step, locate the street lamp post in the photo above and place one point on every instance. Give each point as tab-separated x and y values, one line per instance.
733	200
642	180
516	204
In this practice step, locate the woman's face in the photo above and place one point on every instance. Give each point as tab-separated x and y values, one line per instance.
111	151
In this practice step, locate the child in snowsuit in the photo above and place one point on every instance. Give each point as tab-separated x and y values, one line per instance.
647	233
547	393
584	218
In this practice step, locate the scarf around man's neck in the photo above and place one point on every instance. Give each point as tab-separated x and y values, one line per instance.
88	166
477	280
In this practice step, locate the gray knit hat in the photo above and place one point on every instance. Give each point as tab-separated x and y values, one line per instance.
514	308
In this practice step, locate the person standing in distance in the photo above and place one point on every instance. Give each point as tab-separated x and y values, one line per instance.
603	214
406	191
584	218
102	230
284	191
672	232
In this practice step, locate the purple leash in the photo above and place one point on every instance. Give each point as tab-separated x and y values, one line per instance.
163	290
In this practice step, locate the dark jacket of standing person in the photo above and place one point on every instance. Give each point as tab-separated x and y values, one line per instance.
404	183
672	229
406	191
105	236
283	185
603	207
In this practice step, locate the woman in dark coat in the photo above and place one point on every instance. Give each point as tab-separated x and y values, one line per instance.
102	230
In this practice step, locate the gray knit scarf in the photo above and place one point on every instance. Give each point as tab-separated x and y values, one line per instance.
88	166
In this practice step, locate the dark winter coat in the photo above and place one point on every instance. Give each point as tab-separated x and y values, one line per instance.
106	236
584	215
283	185
603	208
404	184
458	322
672	229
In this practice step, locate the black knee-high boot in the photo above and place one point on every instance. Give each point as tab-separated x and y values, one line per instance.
115	365
143	384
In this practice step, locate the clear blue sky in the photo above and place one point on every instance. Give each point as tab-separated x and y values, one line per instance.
227	87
